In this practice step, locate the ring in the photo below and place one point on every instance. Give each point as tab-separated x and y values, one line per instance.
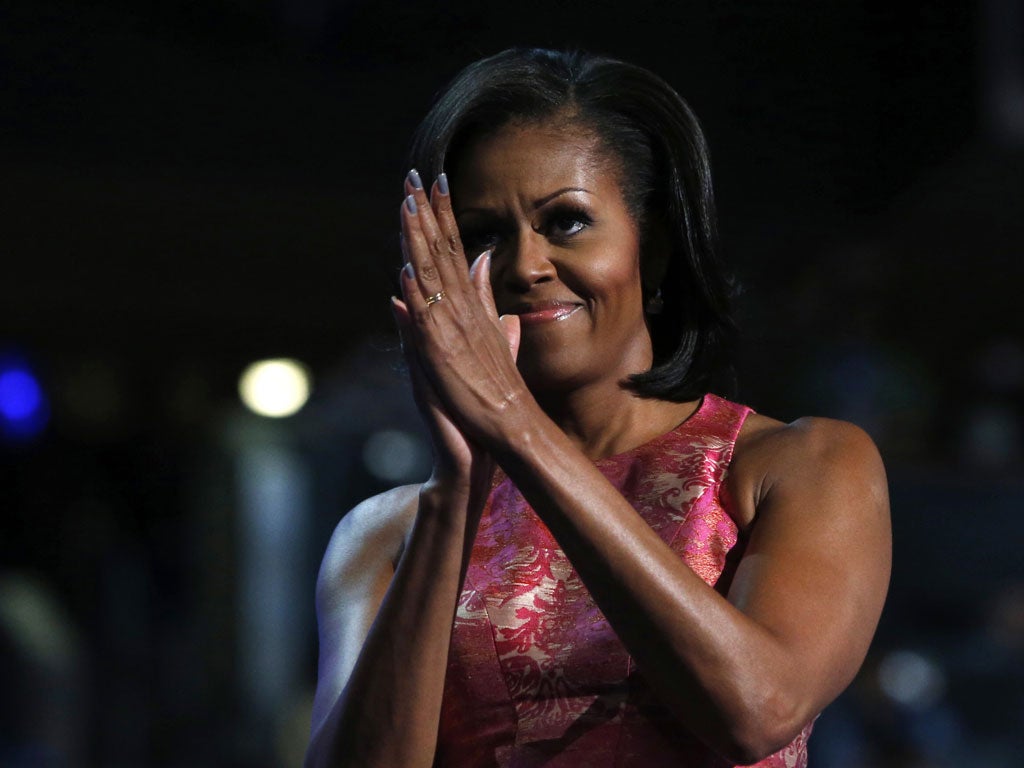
435	298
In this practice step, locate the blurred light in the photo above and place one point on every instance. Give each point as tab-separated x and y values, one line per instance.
23	407
20	395
35	623
910	679
394	455
275	388
275	494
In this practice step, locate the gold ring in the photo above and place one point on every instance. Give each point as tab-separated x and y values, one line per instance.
435	298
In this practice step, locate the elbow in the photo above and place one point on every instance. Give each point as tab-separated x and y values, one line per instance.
764	726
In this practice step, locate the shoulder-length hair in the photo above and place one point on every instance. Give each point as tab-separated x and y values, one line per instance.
660	148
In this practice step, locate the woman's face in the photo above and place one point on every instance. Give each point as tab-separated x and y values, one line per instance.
566	251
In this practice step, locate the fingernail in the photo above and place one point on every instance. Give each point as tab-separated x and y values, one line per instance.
481	259
442	183
409	271
414	179
410	203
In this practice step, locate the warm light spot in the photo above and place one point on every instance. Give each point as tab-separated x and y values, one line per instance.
275	388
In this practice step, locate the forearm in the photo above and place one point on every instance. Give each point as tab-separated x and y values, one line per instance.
389	710
716	668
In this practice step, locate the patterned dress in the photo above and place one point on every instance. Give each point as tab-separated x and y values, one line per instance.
536	675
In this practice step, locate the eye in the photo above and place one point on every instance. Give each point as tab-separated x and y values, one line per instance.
567	225
477	239
564	223
480	231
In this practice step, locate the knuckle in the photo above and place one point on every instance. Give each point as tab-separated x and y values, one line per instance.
428	272
421	320
454	246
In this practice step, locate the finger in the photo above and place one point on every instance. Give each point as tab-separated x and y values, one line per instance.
441	202
400	311
443	247
480	275
424	273
422	389
510	324
417	305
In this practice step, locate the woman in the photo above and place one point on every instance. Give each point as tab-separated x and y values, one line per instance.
608	566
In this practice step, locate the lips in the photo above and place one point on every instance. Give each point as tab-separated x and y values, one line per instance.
538	312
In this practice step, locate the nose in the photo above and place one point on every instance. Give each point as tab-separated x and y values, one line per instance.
526	262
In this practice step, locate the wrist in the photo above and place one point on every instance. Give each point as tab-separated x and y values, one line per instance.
448	492
522	434
444	493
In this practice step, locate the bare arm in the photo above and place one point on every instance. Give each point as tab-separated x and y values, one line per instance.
744	673
384	632
748	672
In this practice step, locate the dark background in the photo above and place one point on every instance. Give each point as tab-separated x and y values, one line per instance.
189	186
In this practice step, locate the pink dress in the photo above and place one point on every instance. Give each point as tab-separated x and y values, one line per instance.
536	675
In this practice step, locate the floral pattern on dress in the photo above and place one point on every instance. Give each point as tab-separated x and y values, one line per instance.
571	695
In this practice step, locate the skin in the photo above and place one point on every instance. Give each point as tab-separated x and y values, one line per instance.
744	672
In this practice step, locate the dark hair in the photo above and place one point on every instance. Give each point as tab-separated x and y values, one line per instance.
661	150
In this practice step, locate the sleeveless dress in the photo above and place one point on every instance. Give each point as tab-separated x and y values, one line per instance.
536	675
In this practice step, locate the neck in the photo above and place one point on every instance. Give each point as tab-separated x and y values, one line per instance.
610	419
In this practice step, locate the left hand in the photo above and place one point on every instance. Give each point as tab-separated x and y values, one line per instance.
467	350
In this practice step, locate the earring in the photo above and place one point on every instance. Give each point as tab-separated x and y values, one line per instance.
654	304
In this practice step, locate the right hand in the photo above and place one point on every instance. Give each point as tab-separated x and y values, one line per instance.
460	466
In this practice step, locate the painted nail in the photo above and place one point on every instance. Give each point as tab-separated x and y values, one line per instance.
442	183
410	203
409	271
414	179
478	261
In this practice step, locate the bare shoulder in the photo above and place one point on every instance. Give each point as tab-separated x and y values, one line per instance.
771	457
368	539
763	439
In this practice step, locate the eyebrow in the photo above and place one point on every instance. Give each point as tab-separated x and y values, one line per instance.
538	203
548	198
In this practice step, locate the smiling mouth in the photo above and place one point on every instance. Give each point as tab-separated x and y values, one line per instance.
545	312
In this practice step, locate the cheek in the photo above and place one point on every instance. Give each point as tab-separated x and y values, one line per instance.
616	277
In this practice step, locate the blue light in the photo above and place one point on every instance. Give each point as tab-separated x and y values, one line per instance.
20	395
23	408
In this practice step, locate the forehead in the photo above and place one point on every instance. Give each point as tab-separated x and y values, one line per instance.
535	155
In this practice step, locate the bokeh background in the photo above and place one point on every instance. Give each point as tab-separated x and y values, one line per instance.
189	186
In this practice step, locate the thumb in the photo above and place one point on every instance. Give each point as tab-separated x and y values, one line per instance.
480	274
510	324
